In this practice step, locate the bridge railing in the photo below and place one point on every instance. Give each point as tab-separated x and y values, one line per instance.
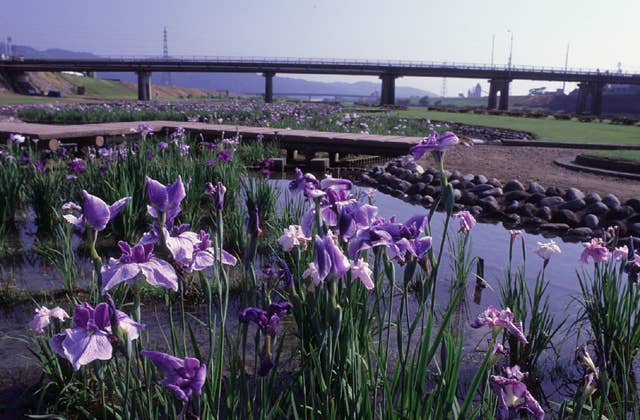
293	61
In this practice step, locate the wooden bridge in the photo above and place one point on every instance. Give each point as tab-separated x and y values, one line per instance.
306	142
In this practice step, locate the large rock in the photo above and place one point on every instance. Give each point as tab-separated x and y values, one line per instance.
576	204
495	192
590	221
610	200
534	187
573	194
516	195
551	201
416	188
427	200
598	208
527	210
427	178
634	228
619	213
511	206
565	216
429	190
489	204
535	198
544	213
480	179
481	187
455	175
468	198
554	191
495	182
513	185
555	227
634	203
592	198
579	234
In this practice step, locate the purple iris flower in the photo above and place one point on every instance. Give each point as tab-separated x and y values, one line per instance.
224	155
217	192
24	160
265	166
329	261
400	238
90	337
135	261
163	145
194	251
268	320
467	221
338	208
40	165
95	212
514	396
88	340
596	250
434	142
165	199
144	129
303	183
495	318
183	377
76	165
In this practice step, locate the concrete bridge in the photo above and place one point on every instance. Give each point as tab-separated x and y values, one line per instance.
590	82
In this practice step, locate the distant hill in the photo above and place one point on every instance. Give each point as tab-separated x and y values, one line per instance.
234	82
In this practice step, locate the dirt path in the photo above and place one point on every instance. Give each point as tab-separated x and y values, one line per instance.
529	164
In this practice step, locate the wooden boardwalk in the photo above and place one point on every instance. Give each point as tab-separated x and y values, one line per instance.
303	141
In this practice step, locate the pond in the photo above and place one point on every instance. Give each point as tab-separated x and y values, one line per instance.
489	242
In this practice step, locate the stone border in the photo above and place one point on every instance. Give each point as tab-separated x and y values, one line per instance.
570	214
568	163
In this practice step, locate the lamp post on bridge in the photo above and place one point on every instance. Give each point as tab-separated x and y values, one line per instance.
510	48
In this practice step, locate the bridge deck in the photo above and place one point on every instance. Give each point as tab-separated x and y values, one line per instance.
302	140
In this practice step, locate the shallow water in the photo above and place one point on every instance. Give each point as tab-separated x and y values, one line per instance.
489	241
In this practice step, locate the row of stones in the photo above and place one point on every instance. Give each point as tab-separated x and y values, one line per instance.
570	213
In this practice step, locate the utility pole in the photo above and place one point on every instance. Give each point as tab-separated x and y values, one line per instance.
510	48
493	47
566	63
165	54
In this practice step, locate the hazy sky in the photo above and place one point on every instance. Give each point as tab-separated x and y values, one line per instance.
600	33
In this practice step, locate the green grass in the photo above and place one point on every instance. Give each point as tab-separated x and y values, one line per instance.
617	154
104	88
547	129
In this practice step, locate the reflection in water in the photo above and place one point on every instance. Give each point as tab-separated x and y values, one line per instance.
489	244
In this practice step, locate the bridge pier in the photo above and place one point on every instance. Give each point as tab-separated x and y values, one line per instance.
388	91
586	91
495	86
268	86
144	85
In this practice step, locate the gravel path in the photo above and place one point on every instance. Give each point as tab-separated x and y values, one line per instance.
529	164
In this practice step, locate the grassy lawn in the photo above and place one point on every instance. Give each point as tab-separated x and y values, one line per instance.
617	154
105	89
546	128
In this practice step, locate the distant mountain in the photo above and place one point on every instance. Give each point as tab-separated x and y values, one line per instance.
234	82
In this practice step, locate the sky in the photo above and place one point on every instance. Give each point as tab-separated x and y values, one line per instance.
600	34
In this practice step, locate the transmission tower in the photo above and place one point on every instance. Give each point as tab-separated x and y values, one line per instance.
444	87
166	76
